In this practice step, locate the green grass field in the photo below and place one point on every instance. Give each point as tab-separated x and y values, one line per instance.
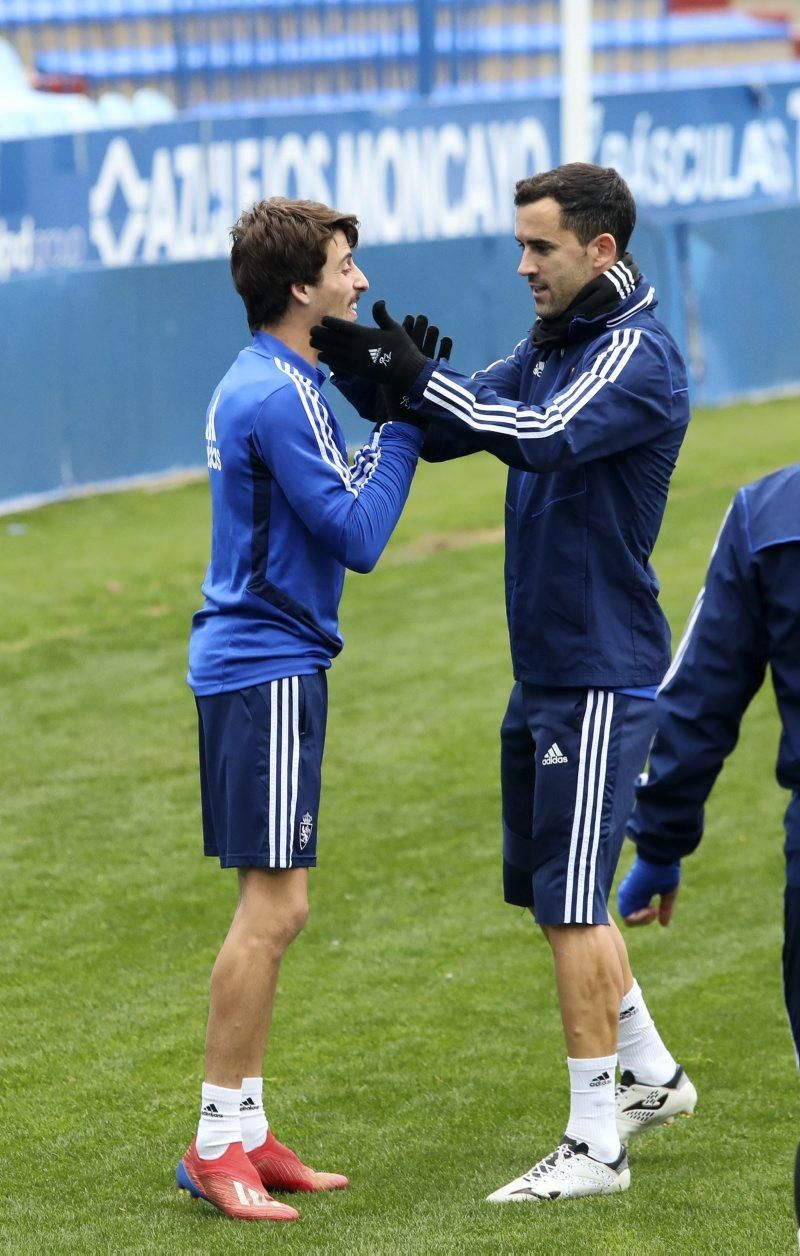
416	1043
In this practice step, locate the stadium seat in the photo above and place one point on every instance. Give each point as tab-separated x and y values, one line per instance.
115	109
679	36
202	53
65	113
150	105
24	113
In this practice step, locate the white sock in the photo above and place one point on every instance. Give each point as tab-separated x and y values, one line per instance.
639	1044
592	1119
251	1113
219	1121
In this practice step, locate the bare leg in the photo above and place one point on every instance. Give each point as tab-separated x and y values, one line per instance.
622	953
272	909
589	978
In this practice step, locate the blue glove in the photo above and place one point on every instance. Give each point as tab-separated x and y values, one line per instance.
642	883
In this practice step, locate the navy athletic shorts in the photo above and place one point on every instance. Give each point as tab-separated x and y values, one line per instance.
260	772
569	762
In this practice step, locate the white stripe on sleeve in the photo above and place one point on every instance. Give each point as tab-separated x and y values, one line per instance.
317	416
535	424
683	644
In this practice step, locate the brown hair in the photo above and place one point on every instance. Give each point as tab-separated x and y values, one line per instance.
278	243
593	200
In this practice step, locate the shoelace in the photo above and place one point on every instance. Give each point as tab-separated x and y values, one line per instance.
562	1152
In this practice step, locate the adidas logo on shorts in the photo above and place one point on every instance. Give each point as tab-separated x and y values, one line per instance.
554	755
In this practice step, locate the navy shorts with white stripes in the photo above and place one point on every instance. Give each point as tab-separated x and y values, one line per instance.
569	762
260	772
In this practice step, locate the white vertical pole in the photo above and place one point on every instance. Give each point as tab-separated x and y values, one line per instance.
576	80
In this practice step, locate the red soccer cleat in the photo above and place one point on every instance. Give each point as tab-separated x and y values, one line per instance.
280	1169
231	1184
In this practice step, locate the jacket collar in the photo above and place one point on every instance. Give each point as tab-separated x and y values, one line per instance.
643	297
269	346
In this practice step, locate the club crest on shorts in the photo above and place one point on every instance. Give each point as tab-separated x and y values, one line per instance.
306	829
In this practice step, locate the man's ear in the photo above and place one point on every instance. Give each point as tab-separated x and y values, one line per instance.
604	248
300	293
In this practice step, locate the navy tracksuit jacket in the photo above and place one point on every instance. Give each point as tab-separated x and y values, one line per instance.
591	432
747	616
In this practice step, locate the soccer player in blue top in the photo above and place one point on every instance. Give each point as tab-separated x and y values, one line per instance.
746	617
289	515
588	412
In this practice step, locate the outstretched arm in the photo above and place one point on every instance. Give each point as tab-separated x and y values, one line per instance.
718	667
620	396
352	511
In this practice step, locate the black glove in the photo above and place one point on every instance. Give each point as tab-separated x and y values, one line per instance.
425	337
386	354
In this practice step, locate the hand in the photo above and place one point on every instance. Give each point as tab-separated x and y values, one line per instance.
386	354
642	883
425	336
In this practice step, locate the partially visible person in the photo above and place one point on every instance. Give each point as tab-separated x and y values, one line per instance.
589	412
747	617
797	1189
289	515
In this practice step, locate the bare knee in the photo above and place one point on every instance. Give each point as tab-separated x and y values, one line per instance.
279	929
587	955
291	921
273	910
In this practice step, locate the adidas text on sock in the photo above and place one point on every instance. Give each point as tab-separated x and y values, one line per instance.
219	1121
639	1045
251	1113
592	1116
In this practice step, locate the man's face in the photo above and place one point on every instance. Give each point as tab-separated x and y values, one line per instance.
555	264
340	284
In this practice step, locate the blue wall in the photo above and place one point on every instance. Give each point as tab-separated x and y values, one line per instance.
119	316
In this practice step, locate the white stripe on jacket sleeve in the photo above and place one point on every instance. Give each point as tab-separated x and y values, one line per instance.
318	419
534	423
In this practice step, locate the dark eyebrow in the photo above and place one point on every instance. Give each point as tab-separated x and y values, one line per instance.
536	243
348	257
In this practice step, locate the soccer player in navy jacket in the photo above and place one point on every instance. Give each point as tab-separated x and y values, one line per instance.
589	412
289	515
746	616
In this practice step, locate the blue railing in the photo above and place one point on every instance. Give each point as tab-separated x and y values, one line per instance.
221	51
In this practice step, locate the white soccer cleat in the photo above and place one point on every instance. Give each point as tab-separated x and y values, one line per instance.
566	1173
641	1107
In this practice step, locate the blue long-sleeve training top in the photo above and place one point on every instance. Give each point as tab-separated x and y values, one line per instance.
591	432
288	515
747	616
